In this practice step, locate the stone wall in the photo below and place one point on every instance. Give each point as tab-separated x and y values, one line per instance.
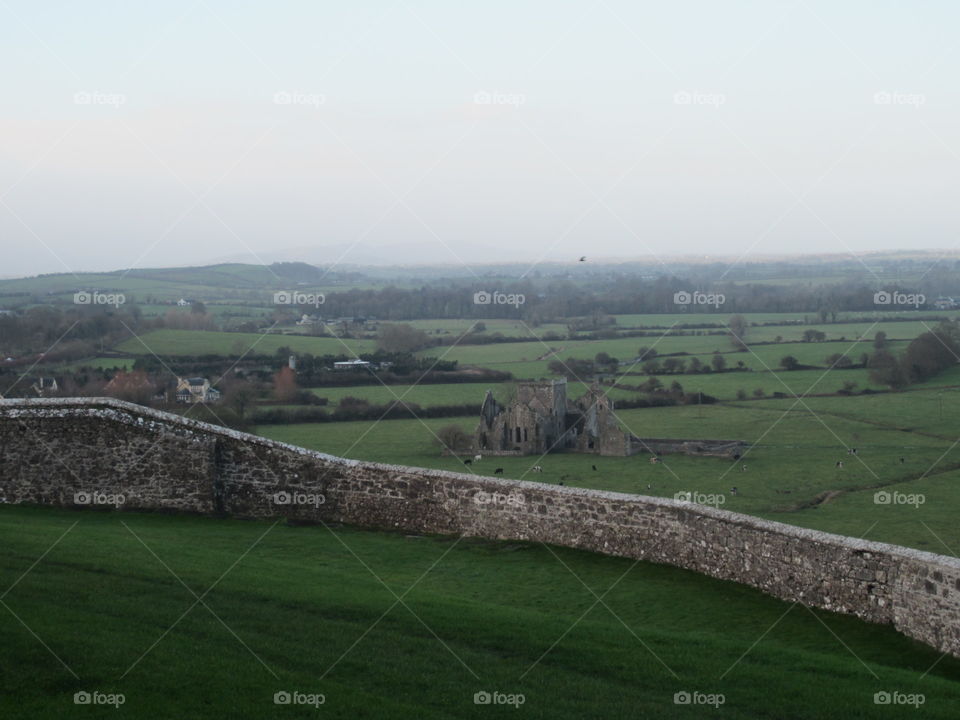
72	452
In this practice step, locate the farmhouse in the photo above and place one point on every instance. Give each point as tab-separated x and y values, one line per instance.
196	390
44	386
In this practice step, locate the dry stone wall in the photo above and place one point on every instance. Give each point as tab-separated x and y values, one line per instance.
110	454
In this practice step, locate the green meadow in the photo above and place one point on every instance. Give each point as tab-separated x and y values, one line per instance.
206	618
209	342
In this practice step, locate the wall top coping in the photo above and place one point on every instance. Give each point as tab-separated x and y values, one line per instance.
114	409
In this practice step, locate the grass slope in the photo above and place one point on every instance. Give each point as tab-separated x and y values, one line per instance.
315	609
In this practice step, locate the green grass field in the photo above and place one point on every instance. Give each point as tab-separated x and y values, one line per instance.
201	342
315	610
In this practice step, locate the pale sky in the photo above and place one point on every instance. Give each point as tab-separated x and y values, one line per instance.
182	133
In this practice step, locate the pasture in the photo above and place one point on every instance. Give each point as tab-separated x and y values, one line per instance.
314	610
209	342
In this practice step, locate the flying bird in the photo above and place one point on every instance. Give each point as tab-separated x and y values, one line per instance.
583	258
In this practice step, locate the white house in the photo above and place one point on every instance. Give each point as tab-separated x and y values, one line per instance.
196	390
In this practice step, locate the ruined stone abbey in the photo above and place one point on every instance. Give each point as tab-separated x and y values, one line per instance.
541	419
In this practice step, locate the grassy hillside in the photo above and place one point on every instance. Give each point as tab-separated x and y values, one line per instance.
315	610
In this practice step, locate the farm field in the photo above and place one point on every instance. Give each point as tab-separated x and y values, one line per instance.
513	617
422	394
626	348
720	385
508	328
200	342
430	395
107	363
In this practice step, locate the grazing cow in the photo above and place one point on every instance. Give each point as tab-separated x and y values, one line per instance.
477	458
498	471
537	468
468	462
594	467
743	468
902	460
839	464
733	490
654	460
736	456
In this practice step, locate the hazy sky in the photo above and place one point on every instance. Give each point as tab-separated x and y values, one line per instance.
153	134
